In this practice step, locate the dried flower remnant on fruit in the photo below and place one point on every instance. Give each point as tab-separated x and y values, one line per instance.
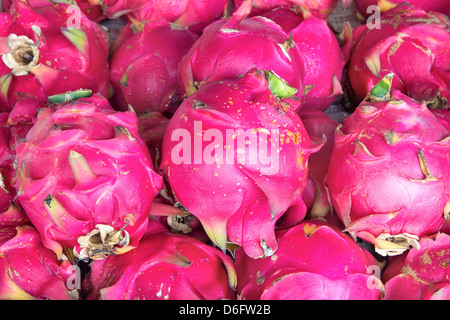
23	56
102	242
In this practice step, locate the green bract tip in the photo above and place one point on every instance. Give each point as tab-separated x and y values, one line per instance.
382	90
70	96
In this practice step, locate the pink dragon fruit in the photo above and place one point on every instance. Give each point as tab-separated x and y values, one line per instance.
412	44
152	126
47	51
388	176
286	17
92	11
7	169
234	185
230	47
421	274
317	123
319	8
29	270
444	117
323	57
165	266
363	6
319	127
185	13
144	68
10	219
85	178
22	116
314	261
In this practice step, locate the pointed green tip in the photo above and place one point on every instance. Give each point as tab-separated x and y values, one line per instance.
217	233
279	87
70	96
382	90
77	37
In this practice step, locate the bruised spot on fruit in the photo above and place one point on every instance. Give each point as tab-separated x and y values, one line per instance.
259	278
296	137
426	259
309	229
267	250
285	46
198	105
444	264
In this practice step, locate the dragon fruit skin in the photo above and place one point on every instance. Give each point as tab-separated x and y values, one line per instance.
315	202
44	53
92	12
29	270
314	261
443	116
319	8
388	176
421	274
7	158
411	43
287	18
442	6
21	118
318	123
152	126
324	62
10	219
323	57
84	172
232	196
226	49
144	68
165	266
192	14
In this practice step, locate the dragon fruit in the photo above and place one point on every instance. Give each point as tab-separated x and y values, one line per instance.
324	61
323	57
319	8
412	44
443	116
186	13
152	126
388	176
92	11
85	178
144	68
46	51
421	274
29	270
314	261
228	48
234	185
22	116
442	6
164	266
10	219
7	169
317	124
315	204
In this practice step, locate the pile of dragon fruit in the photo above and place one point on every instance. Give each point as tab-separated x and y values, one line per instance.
192	154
